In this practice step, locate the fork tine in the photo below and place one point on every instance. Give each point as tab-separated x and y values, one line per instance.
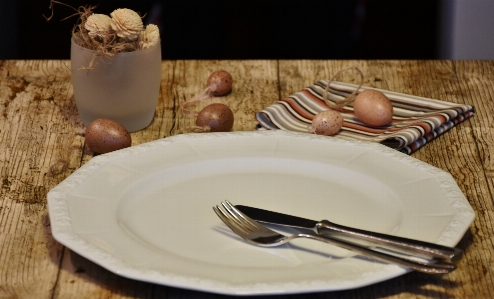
232	217
239	230
240	217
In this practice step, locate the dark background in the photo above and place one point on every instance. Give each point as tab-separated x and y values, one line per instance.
241	29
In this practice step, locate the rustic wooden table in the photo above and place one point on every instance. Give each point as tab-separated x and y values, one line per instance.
42	142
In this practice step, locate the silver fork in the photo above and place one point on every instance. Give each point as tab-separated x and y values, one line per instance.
259	235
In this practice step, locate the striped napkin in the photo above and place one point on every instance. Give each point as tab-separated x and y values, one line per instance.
416	120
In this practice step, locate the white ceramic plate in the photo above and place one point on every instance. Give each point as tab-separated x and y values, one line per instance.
145	212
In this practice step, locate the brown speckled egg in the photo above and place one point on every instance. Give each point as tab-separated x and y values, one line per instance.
326	123
218	117
105	135
223	82
373	108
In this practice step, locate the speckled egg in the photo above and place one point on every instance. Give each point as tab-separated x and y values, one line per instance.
222	82
373	108
217	117
105	135
326	123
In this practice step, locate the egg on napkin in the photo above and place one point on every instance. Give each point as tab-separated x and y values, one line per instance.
326	123
373	108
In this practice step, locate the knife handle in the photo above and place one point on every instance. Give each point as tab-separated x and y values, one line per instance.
397	244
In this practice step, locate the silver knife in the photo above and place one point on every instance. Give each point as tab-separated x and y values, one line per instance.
365	238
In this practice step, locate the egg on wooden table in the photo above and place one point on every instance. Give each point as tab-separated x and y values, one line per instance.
217	117
220	82
105	135
373	108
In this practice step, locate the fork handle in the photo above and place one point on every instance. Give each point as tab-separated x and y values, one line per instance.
436	268
397	244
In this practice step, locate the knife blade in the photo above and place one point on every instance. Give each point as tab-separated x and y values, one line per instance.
361	237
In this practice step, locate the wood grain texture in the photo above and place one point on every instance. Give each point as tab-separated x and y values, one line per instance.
42	142
39	127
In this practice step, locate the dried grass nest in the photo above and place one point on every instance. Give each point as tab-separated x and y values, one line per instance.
122	31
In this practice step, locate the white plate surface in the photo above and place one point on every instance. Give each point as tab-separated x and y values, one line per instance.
145	212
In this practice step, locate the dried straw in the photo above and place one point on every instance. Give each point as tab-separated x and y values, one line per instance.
109	44
106	45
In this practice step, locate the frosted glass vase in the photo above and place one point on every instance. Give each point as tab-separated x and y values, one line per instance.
124	88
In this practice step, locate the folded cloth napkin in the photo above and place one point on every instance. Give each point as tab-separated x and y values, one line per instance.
416	120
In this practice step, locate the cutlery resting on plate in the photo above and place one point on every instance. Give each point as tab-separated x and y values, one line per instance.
362	237
439	257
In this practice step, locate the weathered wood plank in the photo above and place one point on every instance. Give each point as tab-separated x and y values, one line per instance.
42	142
37	132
